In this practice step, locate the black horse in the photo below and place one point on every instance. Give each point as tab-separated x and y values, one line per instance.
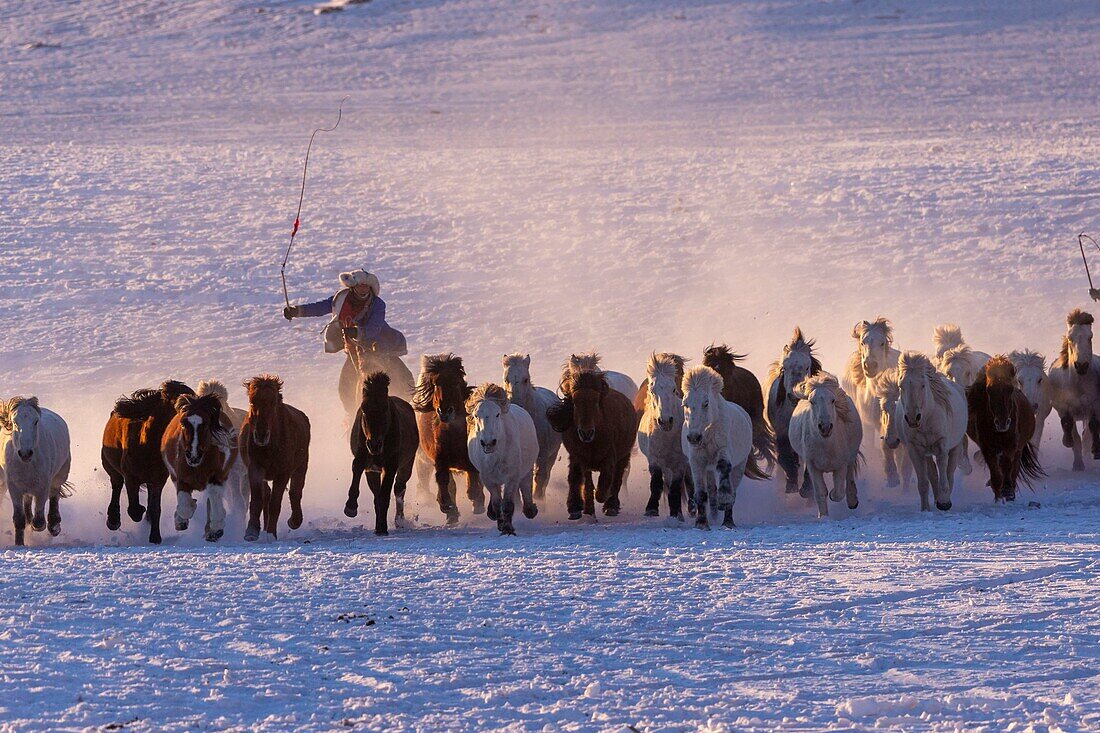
384	439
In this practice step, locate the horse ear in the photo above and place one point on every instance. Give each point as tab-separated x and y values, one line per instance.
183	402
857	330
33	402
527	361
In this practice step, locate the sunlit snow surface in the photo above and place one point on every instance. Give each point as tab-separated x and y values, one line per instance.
549	178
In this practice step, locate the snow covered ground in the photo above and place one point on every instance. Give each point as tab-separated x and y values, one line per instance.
545	177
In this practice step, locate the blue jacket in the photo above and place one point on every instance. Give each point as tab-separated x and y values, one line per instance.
371	322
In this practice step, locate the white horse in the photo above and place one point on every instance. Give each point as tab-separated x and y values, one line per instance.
931	417
961	365
1031	378
503	446
826	432
34	463
798	362
618	381
535	400
889	392
239	490
948	336
1074	382
717	440
659	433
874	353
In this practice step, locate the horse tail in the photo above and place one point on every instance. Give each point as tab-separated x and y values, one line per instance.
861	461
66	490
1030	470
763	445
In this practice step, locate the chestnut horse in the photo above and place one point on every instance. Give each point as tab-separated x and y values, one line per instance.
384	439
200	450
441	394
598	427
1001	421
741	387
131	452
274	445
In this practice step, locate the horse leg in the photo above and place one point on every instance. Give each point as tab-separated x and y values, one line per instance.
133	498
542	474
38	518
788	459
839	477
257	490
1011	471
507	509
526	492
156	491
850	486
699	480
574	503
821	492
400	484
1071	439
114	512
215	512
54	517
689	489
589	495
675	498
18	516
996	474
656	488
274	506
1094	433
185	509
948	462
890	465
381	486
729	478
611	480
475	492
297	484
964	459
920	465
351	507
447	504
807	489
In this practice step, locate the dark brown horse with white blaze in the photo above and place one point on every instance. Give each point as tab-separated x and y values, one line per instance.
598	427
440	400
1001	421
275	448
200	449
741	387
131	452
384	439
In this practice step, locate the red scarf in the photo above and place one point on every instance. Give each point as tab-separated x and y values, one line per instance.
350	310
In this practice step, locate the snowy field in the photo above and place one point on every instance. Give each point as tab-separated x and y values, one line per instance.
545	177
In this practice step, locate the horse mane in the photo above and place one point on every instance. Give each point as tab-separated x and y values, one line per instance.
208	403
513	359
721	357
845	410
880	324
265	380
572	381
667	365
887	385
10	406
171	389
947	336
702	378
855	371
949	357
1078	317
589	362
139	405
377	385
560	414
215	387
1062	362
800	344
488	391
1028	359
432	367
999	370
918	363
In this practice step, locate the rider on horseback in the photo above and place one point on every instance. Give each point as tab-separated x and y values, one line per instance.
358	323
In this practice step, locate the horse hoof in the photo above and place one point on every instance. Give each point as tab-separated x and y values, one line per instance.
181	526
806	491
154	539
611	511
492	512
834	496
507	531
854	506
251	535
530	511
351	510
943	506
38	524
728	524
1078	466
652	513
479	508
136	513
702	525
214	536
55	529
295	521
452	520
113	523
1067	441
892	481
381	532
574	516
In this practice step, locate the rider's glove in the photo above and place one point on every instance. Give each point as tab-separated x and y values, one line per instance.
290	311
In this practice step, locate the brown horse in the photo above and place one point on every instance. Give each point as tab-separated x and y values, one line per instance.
441	394
131	452
384	439
200	448
598	427
274	444
741	386
1001	421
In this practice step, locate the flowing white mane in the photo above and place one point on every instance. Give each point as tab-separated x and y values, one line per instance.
702	379
665	366
1028	359
916	363
829	383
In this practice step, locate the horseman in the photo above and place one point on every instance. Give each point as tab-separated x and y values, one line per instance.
358	327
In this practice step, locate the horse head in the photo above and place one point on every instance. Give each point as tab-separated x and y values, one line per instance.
874	339
442	387
374	410
517	375
1077	345
957	364
484	410
799	361
822	392
201	424
265	397
888	392
914	377
664	400
1000	388
1031	372
20	417
702	388
586	392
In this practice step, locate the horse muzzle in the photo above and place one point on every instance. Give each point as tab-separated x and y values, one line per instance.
445	415
825	430
193	460
586	436
26	455
913	422
1081	367
892	443
261	440
666	426
1002	426
694	438
488	446
374	447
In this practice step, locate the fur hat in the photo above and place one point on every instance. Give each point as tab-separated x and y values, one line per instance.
360	277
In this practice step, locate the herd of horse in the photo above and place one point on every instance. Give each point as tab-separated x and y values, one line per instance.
702	430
